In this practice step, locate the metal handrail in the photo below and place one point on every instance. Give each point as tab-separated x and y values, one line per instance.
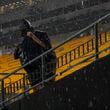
60	44
5	101
70	67
43	55
70	58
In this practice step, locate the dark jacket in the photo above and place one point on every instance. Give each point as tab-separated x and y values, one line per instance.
28	50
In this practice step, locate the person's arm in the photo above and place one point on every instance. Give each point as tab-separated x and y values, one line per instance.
35	39
17	52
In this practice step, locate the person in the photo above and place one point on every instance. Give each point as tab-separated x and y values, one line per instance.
34	44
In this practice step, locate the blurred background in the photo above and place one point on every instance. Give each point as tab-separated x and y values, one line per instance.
59	18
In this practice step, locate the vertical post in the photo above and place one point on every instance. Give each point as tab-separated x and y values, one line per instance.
78	51
24	83
66	58
74	53
96	40
70	56
10	89
58	62
61	60
3	92
42	68
92	44
14	88
83	49
105	37
87	47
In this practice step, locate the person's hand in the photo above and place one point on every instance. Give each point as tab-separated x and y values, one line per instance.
35	39
29	34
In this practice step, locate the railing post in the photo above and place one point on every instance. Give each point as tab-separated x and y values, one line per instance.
78	51
74	54
87	47
105	37
66	58
83	49
70	56
58	63
42	68
2	92
96	40
61	60
24	83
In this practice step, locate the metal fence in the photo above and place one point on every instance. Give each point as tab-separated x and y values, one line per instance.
81	50
15	89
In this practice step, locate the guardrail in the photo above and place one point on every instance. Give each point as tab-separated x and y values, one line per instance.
67	58
15	97
81	50
43	75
